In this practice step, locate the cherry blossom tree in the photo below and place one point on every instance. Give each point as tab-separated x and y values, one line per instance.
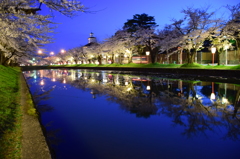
194	28
23	30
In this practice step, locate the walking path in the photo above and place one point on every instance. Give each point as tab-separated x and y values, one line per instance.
34	145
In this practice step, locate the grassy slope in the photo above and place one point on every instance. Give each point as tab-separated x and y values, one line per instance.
157	65
10	113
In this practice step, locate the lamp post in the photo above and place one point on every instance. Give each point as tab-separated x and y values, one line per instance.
147	53
213	49
226	47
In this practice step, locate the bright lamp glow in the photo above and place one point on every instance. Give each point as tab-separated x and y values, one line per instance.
213	49
148	88
226	47
147	53
212	96
62	51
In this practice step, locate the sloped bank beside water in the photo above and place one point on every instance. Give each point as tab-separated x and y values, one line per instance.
21	135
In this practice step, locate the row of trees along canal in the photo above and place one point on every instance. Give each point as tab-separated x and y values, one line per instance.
138	35
197	30
24	29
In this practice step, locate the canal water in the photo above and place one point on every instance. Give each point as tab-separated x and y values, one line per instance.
105	115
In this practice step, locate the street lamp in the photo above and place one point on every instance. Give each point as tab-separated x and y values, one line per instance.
213	49
39	51
52	53
226	47
147	53
62	51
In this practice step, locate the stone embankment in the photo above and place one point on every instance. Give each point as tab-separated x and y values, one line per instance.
34	145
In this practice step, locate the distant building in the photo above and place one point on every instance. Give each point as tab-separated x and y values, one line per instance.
91	41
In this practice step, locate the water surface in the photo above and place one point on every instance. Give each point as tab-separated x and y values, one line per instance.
103	115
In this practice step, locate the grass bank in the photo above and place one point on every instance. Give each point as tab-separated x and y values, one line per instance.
156	65
10	113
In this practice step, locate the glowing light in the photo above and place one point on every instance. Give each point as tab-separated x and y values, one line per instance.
148	88
128	51
104	80
52	53
126	83
39	51
42	82
129	89
213	50
212	97
224	100
147	53
63	51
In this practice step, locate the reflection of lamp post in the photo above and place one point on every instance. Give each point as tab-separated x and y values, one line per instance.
148	87
212	94
147	53
42	82
213	49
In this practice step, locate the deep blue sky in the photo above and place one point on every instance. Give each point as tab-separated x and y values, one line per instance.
111	15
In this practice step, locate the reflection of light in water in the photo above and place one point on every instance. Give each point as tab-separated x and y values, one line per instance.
105	80
212	97
129	89
42	82
64	80
53	79
73	75
148	88
224	100
117	82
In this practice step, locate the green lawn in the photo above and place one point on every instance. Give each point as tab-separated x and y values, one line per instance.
10	113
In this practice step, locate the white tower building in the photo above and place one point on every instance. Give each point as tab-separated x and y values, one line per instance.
92	39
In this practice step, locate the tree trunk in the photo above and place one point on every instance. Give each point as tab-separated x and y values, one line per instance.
99	60
191	56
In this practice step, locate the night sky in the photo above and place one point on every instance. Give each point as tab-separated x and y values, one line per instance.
111	15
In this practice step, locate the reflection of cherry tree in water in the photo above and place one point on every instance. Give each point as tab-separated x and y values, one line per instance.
185	108
197	118
232	120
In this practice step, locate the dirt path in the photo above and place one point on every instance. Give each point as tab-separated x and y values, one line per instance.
34	145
